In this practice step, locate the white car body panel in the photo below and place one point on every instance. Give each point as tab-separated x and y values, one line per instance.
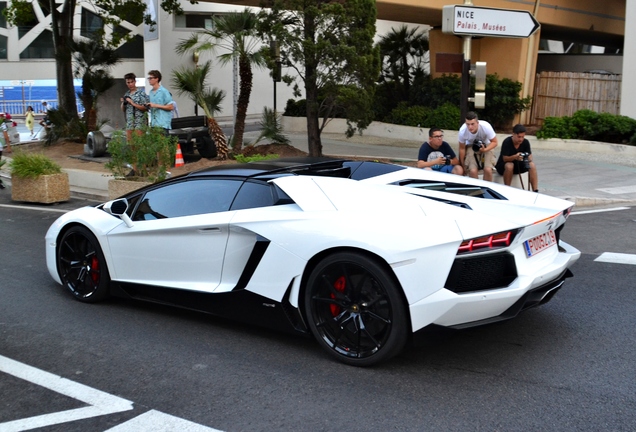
185	252
417	237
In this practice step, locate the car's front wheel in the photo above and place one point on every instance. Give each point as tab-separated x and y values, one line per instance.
355	310
82	266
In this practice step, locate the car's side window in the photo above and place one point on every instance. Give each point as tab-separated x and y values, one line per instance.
253	195
187	198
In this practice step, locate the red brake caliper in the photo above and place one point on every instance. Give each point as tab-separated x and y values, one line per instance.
95	269
339	285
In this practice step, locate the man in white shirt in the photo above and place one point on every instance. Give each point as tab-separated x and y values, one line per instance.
477	140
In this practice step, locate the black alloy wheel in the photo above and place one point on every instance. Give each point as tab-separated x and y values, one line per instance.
354	309
81	265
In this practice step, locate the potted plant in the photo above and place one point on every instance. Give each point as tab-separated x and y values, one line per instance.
144	160
37	178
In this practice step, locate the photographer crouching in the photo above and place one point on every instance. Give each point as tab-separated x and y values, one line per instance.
477	140
437	154
516	158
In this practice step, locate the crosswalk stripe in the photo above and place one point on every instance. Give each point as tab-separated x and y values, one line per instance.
617	258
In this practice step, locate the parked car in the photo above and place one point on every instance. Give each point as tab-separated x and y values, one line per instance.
361	255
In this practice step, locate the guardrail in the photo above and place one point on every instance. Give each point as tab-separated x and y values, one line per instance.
18	107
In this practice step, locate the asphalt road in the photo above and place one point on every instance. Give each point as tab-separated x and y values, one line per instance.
568	365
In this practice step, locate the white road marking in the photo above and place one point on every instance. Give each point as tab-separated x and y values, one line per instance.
619	190
34	208
156	421
101	403
617	258
599	210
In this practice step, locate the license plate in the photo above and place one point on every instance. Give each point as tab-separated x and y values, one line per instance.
539	243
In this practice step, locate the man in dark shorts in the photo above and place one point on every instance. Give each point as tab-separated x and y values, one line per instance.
437	154
516	157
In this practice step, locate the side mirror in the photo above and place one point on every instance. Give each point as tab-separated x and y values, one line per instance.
118	208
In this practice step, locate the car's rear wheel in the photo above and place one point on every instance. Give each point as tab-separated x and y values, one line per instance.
355	310
82	266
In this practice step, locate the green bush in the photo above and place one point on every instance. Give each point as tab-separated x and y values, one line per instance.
151	154
435	92
590	125
384	100
447	116
32	165
409	115
295	108
502	101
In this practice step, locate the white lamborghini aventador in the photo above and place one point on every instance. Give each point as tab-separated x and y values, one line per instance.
360	254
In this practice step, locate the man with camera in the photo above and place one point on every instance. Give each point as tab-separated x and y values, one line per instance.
437	154
160	103
516	158
477	140
133	104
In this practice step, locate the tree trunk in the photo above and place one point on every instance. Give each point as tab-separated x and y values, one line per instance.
62	27
219	138
245	75
311	90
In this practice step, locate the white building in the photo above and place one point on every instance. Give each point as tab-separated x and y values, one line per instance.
26	53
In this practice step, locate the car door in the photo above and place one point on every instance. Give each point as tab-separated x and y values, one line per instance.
178	238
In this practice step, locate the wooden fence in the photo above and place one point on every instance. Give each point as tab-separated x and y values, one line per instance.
558	94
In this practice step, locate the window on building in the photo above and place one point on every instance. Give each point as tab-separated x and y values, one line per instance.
133	49
3	47
3	20
90	23
41	47
194	21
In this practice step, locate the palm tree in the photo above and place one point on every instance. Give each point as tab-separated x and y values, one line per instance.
191	81
234	34
92	61
403	49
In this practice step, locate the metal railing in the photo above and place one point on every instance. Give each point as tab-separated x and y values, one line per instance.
18	107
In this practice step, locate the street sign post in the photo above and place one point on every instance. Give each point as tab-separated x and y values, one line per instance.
479	21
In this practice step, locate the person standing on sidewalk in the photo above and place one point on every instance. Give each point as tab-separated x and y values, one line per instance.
29	119
45	110
477	140
4	126
133	104
160	103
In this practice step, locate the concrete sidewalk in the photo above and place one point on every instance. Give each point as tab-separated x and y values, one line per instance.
590	174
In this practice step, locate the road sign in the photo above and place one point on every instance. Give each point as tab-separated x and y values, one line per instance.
480	21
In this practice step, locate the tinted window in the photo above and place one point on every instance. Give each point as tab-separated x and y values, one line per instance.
187	198
253	195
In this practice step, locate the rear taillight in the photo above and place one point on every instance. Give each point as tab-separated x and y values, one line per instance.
489	242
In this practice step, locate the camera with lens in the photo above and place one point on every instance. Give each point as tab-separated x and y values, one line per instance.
447	160
126	98
525	161
477	144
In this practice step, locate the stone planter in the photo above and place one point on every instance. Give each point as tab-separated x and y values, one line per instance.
119	187
45	189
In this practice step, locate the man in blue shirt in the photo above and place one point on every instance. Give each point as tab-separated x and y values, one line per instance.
160	102
437	154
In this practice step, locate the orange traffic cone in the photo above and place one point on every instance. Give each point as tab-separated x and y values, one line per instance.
178	160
